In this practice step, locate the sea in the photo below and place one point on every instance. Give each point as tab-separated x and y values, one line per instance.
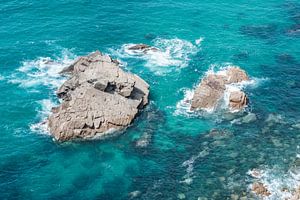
199	155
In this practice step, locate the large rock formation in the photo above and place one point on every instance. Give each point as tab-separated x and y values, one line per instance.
97	99
213	86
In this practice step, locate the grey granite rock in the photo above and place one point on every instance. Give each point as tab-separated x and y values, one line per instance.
98	99
212	88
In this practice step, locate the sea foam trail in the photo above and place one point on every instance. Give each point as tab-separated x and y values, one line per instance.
184	105
169	54
189	164
43	71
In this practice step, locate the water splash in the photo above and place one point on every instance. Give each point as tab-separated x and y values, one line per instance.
44	111
167	54
279	183
43	71
184	105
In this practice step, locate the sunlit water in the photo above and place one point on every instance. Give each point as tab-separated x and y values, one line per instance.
38	39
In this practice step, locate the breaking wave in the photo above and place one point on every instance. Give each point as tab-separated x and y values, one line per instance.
184	105
43	112
166	54
280	184
43	71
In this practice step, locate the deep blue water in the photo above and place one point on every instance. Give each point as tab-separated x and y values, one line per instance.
181	160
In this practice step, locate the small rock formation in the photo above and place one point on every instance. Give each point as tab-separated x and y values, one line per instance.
139	47
296	194
255	173
260	189
237	100
212	88
97	99
134	194
142	47
249	118
219	133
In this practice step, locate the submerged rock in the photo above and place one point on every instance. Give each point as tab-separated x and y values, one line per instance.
259	31
181	196
134	194
98	99
219	133
260	189
296	125
212	89
294	30
249	118
143	141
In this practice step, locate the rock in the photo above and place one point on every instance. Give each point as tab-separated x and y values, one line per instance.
142	47
249	118
97	99
181	196
234	197
273	119
259	31
219	133
143	141
296	125
255	173
237	100
236	75
260	189
208	93
134	194
294	30
212	88
296	194
139	47
222	178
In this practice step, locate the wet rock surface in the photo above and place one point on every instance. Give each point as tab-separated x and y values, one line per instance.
142	47
98	99
212	89
260	189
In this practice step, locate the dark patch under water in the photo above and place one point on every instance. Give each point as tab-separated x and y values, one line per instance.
268	31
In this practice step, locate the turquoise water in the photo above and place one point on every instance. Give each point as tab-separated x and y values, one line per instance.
181	158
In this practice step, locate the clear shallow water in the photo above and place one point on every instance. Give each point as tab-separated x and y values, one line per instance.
181	158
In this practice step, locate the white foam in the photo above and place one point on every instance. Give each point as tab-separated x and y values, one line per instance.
43	71
45	109
199	41
189	164
279	183
1	78
184	105
168	53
